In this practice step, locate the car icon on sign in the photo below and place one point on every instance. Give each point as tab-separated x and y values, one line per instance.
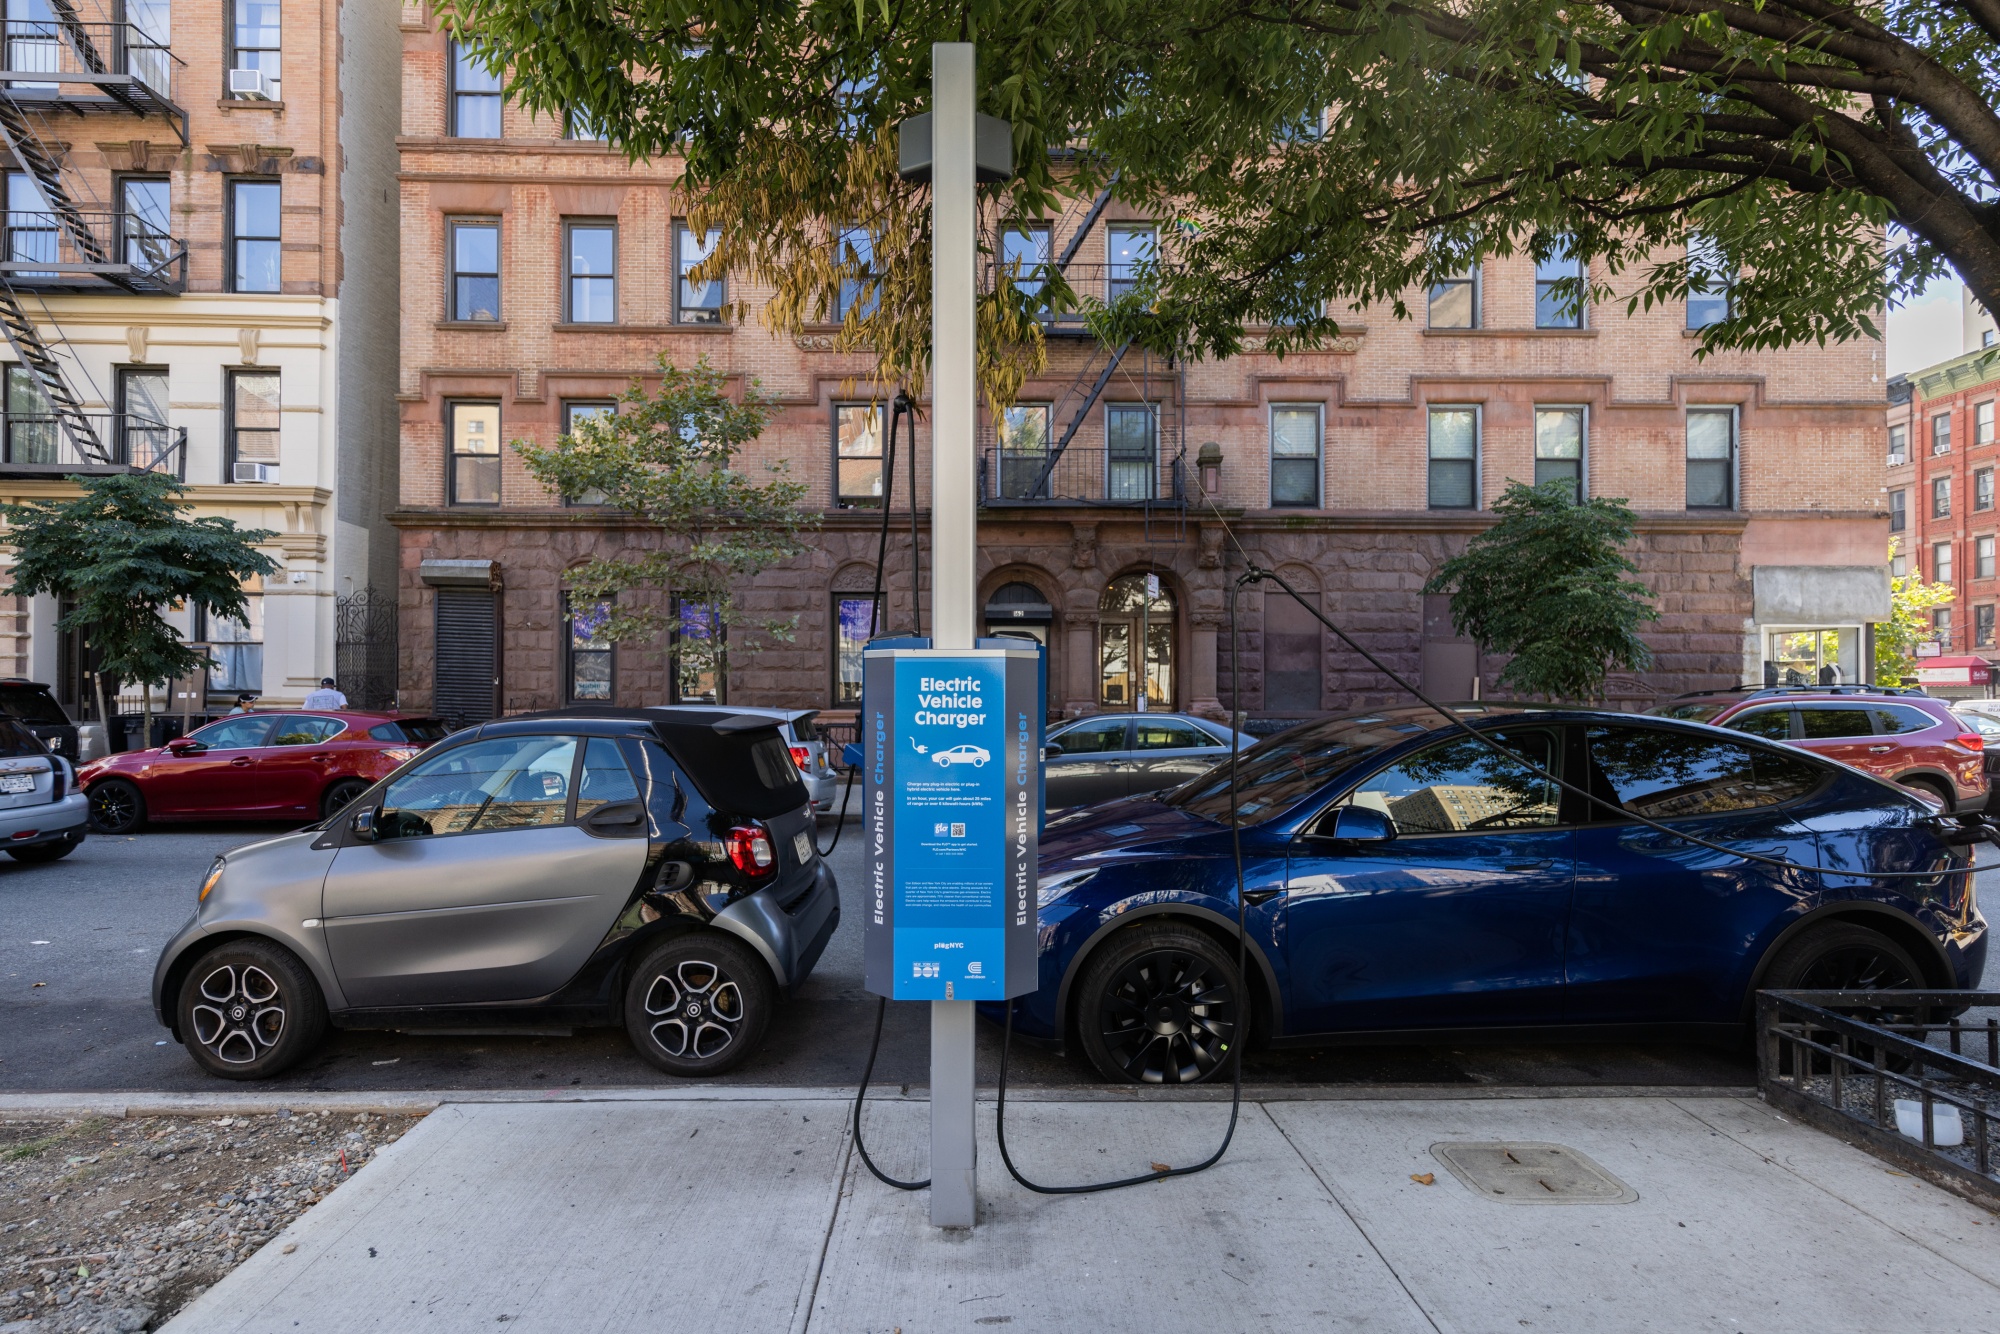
972	755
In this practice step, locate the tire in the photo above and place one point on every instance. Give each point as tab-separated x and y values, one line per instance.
248	1009
1159	1004
698	1004
340	794
116	807
1844	956
1929	787
45	852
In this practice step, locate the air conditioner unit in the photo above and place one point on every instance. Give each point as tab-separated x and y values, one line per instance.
255	472
1897	460
253	84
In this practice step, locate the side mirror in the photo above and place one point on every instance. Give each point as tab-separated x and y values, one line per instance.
182	745
1051	750
362	824
1360	824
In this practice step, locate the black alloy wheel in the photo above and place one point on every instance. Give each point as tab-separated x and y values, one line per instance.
1159	1004
248	1009
341	795
45	852
116	807
698	1004
1844	956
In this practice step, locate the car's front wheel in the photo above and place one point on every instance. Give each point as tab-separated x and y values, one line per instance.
341	795
1160	1004
698	1004
116	807
248	1009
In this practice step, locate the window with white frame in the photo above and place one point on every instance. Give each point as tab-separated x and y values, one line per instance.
253	425
237	646
1129	247
1941	434
1711	458
1454	457
1899	445
1982	557
696	302
1982	423
1559	444
1295	466
1940	497
1941	562
255	35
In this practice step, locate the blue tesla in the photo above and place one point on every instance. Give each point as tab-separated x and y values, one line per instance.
1405	881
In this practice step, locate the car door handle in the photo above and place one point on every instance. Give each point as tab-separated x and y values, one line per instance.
241	762
1542	865
1880	750
322	758
1259	895
618	815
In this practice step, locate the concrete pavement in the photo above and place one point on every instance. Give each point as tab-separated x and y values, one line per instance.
748	1210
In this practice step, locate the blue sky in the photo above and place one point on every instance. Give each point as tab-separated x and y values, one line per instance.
1926	330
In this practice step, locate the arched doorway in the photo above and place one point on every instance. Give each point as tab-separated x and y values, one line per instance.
1019	609
1136	610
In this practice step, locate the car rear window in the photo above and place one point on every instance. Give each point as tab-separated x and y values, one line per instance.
803	730
1894	718
17	741
747	773
420	731
1665	775
1825	722
32	706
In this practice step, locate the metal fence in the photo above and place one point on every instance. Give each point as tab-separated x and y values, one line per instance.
1082	476
1863	1065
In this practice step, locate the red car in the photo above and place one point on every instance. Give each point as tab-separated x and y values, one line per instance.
254	766
1909	739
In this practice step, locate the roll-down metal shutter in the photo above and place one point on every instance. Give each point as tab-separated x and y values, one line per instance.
468	661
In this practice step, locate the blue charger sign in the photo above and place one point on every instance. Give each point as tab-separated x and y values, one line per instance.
951	753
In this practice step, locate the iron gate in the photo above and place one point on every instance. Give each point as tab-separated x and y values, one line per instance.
364	648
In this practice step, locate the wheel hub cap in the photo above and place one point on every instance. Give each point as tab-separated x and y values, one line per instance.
694	1010
238	1013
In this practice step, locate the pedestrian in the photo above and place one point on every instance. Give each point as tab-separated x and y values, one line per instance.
326	697
243	702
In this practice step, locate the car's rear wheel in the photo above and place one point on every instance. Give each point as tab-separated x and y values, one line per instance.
46	852
1929	787
698	1004
1845	956
116	807
249	1009
1159	1004
340	795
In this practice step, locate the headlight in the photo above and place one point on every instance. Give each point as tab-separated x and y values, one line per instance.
214	874
1049	888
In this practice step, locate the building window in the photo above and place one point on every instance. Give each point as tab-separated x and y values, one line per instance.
587	672
1899	517
1982	489
590	264
695	303
578	125
1295	471
254	45
1129	248
691	672
1941	626
1899	566
1710	277
1024	452
31	421
1025	252
1899	445
572	413
142	418
1559	289
475	269
1454	301
145	221
254	236
1941	434
854	621
1711	458
31	225
1982	423
857	453
1982	557
1559	447
236	646
1454	458
858	295
1941	562
1982	626
1131	439
254	411
475	452
1940	497
475	95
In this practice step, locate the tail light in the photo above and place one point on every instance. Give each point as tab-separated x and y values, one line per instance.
751	850
400	754
803	757
1971	741
61	774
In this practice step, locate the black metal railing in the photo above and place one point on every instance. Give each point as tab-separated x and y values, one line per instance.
40	444
51	57
1843	1060
1081	476
1092	284
88	250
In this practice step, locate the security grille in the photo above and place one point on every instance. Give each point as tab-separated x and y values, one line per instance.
468	667
364	648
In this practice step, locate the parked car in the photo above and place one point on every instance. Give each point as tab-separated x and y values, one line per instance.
1909	739
653	868
42	814
1403	882
804	742
1987	724
296	765
34	706
1110	755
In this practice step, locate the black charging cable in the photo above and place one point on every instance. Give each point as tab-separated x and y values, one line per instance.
839	824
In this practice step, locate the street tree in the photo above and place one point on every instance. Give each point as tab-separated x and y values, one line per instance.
121	550
1550	584
668	458
1314	154
1911	601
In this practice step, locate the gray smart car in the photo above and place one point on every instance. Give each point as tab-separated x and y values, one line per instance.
591	866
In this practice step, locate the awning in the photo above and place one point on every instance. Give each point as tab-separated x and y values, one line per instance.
1959	671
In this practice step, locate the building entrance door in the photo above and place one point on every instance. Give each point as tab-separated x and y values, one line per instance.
1135	644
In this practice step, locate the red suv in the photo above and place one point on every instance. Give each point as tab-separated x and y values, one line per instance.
1909	739
256	766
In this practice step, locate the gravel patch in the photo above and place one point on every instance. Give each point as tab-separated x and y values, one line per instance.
111	1226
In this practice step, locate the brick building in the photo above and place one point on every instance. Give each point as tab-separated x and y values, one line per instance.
199	277
1942	462
541	274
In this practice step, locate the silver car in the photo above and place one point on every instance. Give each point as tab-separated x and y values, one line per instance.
43	814
1112	755
650	868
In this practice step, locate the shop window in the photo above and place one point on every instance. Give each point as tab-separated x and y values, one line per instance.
588	669
1813	657
855	616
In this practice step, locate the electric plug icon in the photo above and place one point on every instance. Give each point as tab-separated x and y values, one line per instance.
921	749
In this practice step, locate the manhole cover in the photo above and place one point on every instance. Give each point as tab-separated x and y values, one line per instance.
1527	1172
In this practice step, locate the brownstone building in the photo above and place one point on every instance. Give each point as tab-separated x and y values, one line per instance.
1944	450
542	272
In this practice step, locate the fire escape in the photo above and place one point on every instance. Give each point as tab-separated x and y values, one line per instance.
56	71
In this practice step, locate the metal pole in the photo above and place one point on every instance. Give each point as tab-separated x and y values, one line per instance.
954	209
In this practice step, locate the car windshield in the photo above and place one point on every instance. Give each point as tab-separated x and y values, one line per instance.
1275	775
33	706
1692	711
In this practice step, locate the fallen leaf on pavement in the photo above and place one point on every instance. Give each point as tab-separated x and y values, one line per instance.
1161	1167
38	984
1424	1178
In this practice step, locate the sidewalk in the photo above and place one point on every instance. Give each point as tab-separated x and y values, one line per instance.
754	1214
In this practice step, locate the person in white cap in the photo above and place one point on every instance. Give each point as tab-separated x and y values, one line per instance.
326	697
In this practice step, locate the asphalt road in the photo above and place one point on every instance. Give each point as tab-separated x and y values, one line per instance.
78	940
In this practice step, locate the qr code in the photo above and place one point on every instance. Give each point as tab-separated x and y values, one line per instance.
958	831
924	970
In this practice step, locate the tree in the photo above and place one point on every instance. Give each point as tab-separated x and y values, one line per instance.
1909	623
1548	584
667	458
1314	151
123	549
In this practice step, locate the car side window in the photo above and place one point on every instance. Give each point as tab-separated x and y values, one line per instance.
605	778
239	733
1891	719
1169	736
1772	724
1664	775
304	730
1093	737
1462	785
1820	722
516	782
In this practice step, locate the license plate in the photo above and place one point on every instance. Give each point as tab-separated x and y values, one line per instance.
17	783
802	843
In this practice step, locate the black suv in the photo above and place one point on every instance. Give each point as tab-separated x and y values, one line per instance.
30	704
